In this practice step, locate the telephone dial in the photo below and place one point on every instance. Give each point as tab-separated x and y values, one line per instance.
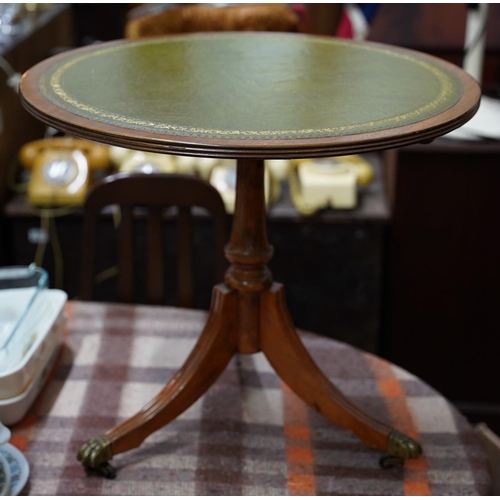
61	169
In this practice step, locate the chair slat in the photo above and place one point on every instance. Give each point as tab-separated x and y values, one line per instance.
154	191
184	259
125	280
87	270
155	289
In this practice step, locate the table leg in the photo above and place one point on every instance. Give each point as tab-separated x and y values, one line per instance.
207	361
288	356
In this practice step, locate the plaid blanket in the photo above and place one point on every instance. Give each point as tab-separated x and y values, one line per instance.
248	435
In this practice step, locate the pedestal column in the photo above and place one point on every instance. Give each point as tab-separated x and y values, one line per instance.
249	251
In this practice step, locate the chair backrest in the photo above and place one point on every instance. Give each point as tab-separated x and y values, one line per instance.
199	18
155	192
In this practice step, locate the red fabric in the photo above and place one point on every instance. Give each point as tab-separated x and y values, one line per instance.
345	27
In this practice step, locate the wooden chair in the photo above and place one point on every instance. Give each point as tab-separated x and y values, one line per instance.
155	192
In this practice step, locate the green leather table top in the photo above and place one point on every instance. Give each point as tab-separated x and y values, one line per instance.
243	91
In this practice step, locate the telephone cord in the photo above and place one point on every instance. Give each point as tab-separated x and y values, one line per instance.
48	226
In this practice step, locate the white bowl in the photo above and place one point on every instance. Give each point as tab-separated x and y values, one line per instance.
14	409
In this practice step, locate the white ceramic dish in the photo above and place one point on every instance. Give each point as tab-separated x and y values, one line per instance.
31	345
4	434
14	409
19	289
18	467
4	476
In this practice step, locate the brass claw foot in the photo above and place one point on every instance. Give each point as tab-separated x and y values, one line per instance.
400	447
95	455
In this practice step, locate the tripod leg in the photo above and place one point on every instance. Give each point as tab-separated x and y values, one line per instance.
288	356
207	361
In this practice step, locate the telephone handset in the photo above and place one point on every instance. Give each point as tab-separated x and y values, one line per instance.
61	169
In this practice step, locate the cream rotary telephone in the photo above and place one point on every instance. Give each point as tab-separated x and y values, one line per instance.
328	182
223	178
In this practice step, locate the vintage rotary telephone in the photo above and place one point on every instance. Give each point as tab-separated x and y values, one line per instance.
223	178
220	173
139	162
61	169
328	182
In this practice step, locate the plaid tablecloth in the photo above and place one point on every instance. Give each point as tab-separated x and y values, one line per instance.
248	435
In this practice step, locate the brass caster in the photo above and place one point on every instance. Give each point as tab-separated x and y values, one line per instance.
95	452
106	470
390	461
400	447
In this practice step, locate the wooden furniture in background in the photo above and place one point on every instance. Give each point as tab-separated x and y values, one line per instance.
268	117
322	18
40	34
156	192
437	29
199	18
443	280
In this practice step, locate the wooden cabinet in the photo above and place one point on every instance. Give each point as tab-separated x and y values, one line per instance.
49	29
443	276
442	290
40	33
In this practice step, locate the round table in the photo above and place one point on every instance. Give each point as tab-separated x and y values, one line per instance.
250	96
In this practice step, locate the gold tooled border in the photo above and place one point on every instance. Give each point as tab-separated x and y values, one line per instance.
410	117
